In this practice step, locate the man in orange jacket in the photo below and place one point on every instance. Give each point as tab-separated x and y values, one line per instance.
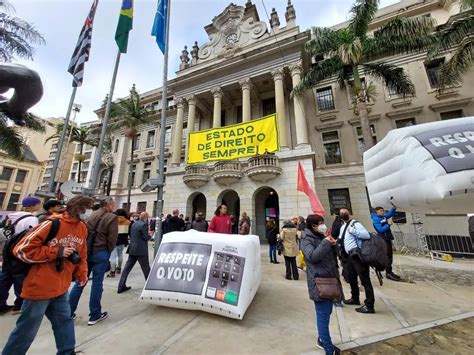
45	289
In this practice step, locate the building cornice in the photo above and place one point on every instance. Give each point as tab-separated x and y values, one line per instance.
450	105
414	111
327	126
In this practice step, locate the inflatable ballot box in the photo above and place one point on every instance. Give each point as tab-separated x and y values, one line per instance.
427	168
215	273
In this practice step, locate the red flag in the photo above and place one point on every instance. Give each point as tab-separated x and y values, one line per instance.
305	186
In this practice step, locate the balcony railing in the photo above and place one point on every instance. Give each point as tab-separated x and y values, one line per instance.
263	167
196	175
227	172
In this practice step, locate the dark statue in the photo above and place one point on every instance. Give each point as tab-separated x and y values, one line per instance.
28	91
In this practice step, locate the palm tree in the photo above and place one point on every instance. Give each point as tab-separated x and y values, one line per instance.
16	35
346	52
458	34
11	141
130	113
79	135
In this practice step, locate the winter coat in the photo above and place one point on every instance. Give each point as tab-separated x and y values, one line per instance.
271	235
289	236
43	280
220	224
320	260
200	225
174	224
123	230
139	239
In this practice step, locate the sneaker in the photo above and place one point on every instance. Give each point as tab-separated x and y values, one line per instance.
16	310
111	274
125	289
118	270
319	344
350	301
103	316
73	316
365	309
338	303
337	351
6	309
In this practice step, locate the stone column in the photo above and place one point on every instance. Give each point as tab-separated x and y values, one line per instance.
191	119
300	119
178	133
246	86
217	93
280	105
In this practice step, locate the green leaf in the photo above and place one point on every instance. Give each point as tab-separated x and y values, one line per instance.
363	12
323	70
451	73
452	35
323	40
11	142
393	77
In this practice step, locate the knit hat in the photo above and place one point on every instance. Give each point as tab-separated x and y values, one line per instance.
30	201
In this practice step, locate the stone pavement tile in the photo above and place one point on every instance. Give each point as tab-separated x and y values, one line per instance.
460	292
141	334
249	336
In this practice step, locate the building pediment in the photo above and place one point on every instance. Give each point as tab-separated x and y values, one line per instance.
235	28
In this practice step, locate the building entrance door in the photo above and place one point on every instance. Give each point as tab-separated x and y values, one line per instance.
231	199
267	206
199	204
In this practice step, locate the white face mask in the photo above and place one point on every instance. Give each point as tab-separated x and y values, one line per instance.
322	228
87	213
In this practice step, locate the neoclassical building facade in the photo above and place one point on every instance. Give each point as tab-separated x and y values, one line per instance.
247	70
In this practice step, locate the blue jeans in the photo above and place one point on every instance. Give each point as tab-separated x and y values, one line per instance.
323	316
97	264
116	257
32	312
6	282
273	252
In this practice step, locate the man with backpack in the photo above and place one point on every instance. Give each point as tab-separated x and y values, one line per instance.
382	222
102	226
351	235
55	252
17	222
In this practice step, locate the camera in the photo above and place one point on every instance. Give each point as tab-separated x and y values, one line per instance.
74	258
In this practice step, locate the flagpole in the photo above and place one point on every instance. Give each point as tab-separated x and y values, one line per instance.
105	122
61	142
161	167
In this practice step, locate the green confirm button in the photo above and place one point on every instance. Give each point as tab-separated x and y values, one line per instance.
231	297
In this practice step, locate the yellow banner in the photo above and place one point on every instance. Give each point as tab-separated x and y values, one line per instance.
236	141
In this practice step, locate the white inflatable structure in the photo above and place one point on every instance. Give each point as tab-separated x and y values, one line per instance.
215	273
427	168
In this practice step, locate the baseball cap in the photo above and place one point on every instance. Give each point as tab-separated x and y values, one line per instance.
30	201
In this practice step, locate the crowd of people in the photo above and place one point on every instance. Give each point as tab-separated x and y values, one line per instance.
85	241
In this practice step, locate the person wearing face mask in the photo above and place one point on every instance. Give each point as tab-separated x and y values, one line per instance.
320	255
351	236
45	289
103	233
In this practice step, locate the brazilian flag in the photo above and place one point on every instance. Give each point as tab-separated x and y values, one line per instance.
125	24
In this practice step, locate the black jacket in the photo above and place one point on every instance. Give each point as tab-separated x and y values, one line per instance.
272	235
200	225
174	224
336	227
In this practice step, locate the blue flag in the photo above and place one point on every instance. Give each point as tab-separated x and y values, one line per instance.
159	25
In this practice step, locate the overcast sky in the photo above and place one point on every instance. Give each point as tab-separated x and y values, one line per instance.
60	22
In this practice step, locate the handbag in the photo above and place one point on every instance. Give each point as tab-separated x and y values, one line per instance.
328	288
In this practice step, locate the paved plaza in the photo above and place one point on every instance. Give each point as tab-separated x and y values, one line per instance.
280	320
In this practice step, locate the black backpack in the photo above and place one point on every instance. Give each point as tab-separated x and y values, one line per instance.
11	263
374	252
